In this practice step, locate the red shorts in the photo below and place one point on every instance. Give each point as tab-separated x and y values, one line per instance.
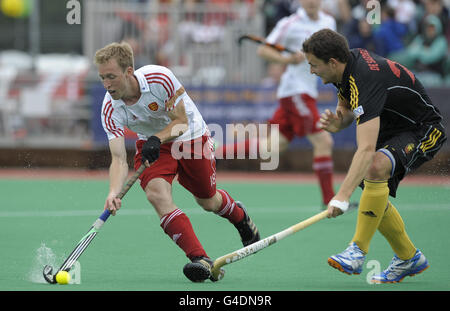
193	161
297	115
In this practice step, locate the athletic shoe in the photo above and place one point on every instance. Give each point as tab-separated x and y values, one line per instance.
350	261
398	269
247	229
199	269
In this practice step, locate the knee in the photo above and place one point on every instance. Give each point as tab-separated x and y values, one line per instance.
209	205
157	198
274	142
322	141
327	140
379	170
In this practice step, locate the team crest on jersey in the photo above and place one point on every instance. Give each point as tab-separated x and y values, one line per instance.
409	148
358	111
153	106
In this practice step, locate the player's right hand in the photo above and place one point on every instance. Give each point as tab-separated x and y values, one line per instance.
329	121
333	211
113	204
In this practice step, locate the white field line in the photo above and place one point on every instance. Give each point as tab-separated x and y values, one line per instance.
199	210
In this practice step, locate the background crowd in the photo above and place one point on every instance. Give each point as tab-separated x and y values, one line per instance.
414	33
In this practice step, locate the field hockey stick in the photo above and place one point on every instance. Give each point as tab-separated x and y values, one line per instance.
217	273
262	41
90	235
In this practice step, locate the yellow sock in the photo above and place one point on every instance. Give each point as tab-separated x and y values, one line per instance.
372	205
393	229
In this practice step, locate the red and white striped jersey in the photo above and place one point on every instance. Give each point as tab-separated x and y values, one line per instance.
291	32
160	92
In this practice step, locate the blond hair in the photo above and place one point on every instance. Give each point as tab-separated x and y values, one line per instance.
121	52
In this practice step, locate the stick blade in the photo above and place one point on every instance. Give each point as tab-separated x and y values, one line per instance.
242	38
48	274
217	274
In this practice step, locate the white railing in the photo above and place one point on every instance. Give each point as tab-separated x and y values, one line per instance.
197	41
53	106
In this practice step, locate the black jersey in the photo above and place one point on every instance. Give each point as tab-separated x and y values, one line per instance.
378	87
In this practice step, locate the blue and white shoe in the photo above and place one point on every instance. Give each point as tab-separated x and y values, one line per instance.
398	269
350	261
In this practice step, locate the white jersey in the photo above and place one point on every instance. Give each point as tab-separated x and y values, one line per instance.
291	32
160	92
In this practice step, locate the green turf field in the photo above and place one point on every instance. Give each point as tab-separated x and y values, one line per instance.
131	253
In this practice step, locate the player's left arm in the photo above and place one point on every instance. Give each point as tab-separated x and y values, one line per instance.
176	128
178	125
366	137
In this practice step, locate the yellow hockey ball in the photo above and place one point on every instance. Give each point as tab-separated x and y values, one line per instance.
13	8
63	277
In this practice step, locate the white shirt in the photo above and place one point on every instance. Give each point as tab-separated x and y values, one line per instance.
149	115
291	32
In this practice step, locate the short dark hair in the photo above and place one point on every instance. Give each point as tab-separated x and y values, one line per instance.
325	44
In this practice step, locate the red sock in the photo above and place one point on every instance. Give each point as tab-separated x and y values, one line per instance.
178	227
243	149
323	167
229	209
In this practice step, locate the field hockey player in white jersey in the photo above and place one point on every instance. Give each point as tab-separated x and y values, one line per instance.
173	139
297	114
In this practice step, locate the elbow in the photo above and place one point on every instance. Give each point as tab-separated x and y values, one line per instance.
180	127
368	151
263	51
260	51
119	161
184	124
370	154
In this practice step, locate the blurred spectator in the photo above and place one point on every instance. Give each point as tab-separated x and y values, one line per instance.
359	35
339	9
390	34
384	38
428	51
359	10
405	10
357	30
433	7
274	10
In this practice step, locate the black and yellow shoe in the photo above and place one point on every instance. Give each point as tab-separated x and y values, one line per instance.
199	269
247	229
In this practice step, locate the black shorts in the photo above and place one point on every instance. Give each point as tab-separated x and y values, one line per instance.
409	150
